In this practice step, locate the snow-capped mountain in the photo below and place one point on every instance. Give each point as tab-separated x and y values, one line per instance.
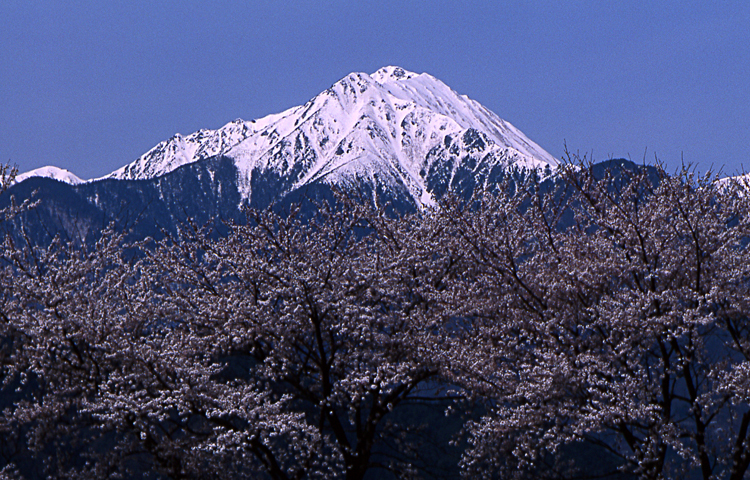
402	138
51	172
403	132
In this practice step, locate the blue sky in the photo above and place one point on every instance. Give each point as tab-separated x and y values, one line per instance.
91	85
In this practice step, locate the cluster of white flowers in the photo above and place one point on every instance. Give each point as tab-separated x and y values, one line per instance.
282	348
617	316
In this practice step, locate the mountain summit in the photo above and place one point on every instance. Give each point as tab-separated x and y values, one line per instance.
395	131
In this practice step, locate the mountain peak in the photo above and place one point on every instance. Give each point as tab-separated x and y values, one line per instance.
392	72
392	129
49	171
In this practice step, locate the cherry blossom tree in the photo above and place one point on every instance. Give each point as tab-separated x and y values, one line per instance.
281	349
613	313
334	313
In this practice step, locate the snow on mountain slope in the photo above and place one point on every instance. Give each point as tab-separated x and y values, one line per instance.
393	128
51	172
178	150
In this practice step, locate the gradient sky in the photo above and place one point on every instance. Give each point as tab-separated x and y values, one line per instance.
91	85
